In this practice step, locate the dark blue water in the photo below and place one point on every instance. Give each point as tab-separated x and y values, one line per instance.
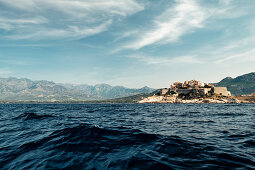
127	136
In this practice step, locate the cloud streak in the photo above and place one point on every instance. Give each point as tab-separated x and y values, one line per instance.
246	56
71	32
182	18
61	18
153	60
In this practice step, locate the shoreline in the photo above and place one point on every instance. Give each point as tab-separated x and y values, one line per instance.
147	99
215	100
152	102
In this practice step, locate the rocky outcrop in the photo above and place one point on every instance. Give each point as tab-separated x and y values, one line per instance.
158	99
171	99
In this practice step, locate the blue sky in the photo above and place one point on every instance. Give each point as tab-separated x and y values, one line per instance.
127	42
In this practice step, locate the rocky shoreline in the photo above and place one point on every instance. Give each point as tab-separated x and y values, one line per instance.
171	99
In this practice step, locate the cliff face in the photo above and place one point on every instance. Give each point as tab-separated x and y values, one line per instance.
244	84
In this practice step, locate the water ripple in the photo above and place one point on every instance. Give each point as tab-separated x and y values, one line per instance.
127	136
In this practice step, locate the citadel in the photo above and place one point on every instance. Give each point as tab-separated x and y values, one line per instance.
191	92
193	89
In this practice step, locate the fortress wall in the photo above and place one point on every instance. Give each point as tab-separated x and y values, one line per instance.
204	91
184	91
221	91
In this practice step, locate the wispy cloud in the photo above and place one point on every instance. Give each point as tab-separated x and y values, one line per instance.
155	60
77	8
61	18
238	57
71	32
184	17
172	24
14	23
235	47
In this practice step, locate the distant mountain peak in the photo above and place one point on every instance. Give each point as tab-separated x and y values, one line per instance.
146	87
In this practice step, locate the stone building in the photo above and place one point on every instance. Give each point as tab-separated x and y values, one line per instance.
198	91
193	83
193	88
221	91
177	85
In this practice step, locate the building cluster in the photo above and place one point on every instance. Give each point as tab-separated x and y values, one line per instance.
190	84
194	88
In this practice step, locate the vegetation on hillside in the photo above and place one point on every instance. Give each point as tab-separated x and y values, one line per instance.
240	85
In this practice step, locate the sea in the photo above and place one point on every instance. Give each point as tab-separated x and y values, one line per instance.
127	136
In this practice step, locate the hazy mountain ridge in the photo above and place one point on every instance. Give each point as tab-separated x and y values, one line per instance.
107	91
14	89
244	84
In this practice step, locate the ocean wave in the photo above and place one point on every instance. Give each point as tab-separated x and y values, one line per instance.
93	147
33	116
126	137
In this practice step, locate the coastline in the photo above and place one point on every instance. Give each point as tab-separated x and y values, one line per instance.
152	99
218	100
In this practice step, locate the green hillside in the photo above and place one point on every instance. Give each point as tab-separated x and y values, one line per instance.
244	84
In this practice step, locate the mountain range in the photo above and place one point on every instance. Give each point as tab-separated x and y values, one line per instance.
14	89
244	84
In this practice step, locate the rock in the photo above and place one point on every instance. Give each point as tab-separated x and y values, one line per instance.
174	99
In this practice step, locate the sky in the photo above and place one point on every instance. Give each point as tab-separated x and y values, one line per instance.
133	43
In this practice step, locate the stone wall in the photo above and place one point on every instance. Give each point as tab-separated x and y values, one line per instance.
221	91
204	91
184	91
